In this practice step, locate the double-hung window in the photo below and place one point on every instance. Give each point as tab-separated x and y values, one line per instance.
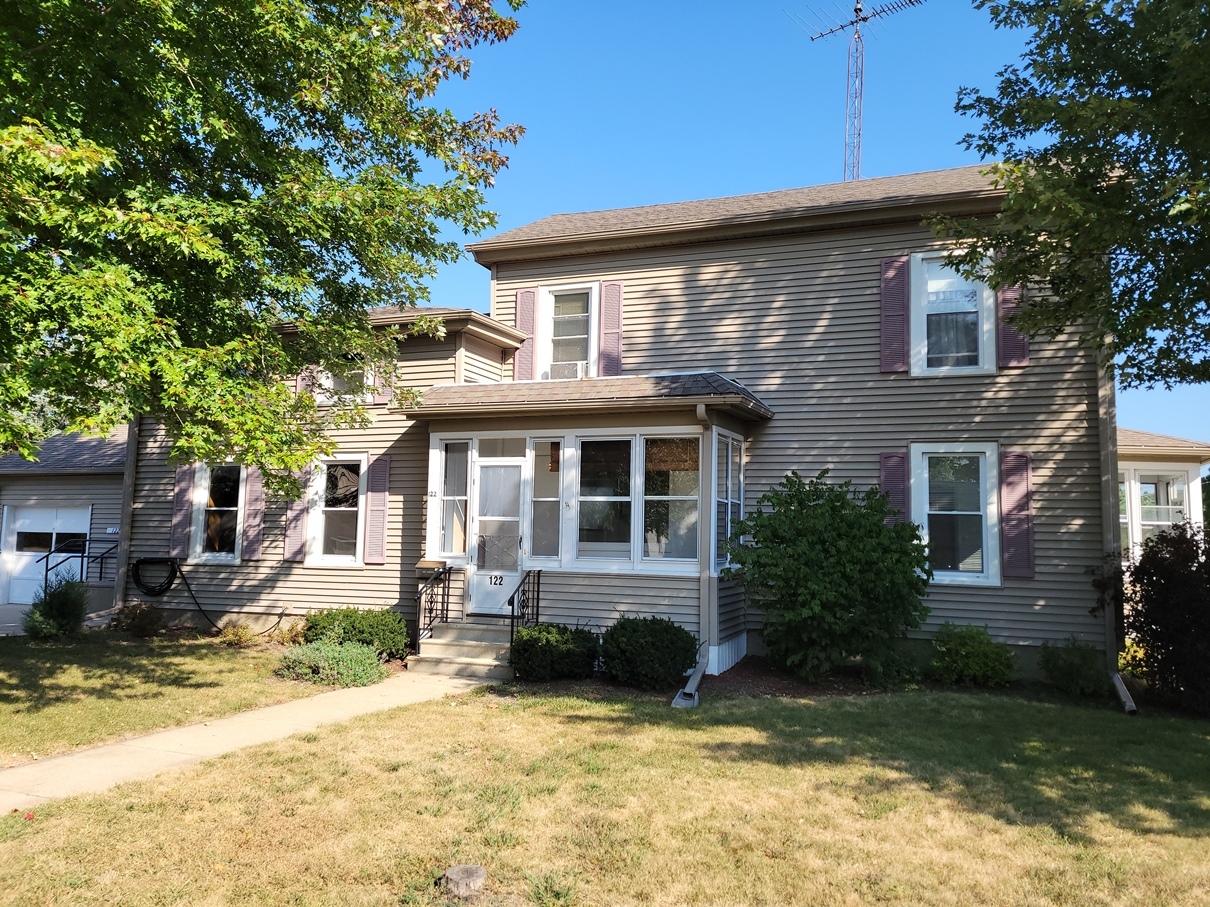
1151	498
218	499
605	499
336	521
670	498
567	331
953	320
955	502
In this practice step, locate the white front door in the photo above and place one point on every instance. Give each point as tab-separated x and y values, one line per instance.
497	551
30	533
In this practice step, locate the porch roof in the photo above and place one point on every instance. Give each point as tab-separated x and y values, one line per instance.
631	393
1140	445
72	454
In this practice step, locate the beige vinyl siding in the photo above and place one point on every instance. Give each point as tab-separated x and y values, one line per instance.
425	361
796	320
481	361
732	616
596	601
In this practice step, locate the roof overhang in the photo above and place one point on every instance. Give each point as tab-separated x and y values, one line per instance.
456	321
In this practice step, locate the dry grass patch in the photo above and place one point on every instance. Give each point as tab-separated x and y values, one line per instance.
598	797
59	696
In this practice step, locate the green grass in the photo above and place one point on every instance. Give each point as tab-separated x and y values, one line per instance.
586	795
59	696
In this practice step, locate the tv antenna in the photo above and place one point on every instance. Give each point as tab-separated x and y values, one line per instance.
856	82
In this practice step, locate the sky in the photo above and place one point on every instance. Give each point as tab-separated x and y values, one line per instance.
637	103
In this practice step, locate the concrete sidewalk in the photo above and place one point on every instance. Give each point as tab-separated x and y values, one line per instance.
101	767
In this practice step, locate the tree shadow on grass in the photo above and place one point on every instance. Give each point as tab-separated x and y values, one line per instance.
101	666
1020	760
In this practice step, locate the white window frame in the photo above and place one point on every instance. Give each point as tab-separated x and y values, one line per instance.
528	482
323	387
635	499
990	493
544	327
918	311
197	522
723	441
315	516
1133	469
641	471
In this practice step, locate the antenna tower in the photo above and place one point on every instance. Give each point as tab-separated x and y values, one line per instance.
856	81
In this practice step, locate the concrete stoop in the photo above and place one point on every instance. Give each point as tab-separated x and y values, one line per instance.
465	649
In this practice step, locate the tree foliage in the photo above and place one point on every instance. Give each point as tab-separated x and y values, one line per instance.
179	179
833	578
1102	134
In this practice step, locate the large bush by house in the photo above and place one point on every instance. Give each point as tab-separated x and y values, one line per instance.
385	630
832	577
554	652
58	610
650	653
1168	615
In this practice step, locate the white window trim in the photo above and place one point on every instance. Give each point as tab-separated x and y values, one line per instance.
990	475
544	327
919	332
720	434
1133	469
197	520
323	384
641	473
315	522
527	482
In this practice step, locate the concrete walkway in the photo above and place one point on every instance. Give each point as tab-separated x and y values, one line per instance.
101	767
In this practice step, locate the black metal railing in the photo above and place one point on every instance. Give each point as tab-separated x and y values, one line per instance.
433	601
524	602
83	550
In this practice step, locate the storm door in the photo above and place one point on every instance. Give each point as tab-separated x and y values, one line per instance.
497	550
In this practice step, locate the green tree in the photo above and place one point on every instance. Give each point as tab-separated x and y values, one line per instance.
1102	134
179	179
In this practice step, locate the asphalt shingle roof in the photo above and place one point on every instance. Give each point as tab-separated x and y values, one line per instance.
72	453
1132	438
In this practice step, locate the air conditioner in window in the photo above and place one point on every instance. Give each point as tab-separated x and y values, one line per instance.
565	370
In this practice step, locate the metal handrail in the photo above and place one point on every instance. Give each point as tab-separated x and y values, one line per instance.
83	554
433	602
524	603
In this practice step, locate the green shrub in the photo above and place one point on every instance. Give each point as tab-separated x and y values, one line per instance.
1131	659
1074	668
58	610
834	580
237	635
138	619
1168	615
290	633
383	629
969	655
348	664
552	652
650	653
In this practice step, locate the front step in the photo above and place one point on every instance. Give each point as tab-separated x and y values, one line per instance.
465	649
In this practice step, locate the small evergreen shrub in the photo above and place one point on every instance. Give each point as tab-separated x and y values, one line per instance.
348	664
1074	668
138	619
650	653
383	629
58	610
969	655
237	636
553	652
1168	615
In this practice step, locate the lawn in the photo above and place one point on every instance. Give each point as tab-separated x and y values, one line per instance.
55	697
587	795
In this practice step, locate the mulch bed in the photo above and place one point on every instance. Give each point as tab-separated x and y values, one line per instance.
755	676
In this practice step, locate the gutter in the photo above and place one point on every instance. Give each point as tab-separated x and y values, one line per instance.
741	406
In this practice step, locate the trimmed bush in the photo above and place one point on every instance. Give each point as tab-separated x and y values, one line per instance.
1168	615
138	619
348	664
969	655
554	652
58	610
1074	668
384	629
236	636
834	580
650	653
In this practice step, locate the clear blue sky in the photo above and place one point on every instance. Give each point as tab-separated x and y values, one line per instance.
637	103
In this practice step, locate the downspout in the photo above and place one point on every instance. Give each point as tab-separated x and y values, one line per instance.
126	519
687	698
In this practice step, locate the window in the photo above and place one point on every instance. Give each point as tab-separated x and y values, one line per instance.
336	520
1161	503
670	498
1151	497
547	509
605	501
454	497
566	333
955	502
953	320
728	493
218	493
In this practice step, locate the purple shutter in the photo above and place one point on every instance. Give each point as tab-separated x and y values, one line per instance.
377	510
523	361
611	329
182	511
1012	346
382	393
893	482
894	314
296	522
1016	513
254	515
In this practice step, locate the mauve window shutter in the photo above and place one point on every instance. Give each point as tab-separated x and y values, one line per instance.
1016	513
611	329
377	510
382	393
296	522
182	511
1012	346
523	360
254	515
893	482
894	314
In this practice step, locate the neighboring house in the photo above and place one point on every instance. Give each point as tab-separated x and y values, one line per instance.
1159	483
645	375
60	511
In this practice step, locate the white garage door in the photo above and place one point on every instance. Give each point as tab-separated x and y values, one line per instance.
29	534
